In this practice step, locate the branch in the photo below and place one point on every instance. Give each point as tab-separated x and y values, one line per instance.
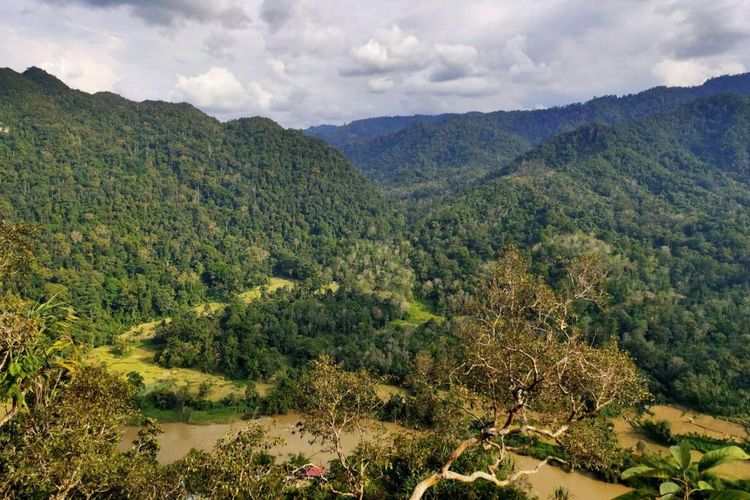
431	481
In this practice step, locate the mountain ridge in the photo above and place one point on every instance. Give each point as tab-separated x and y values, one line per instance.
149	206
425	159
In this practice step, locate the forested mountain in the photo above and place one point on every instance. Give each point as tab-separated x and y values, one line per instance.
665	201
418	158
146	206
369	128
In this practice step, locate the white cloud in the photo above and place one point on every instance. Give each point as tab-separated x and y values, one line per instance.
380	85
393	51
84	73
216	89
523	67
260	96
687	72
302	62
87	61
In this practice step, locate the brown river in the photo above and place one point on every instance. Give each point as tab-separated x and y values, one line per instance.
179	438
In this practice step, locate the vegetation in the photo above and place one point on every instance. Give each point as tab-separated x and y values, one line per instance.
423	157
569	271
291	327
664	202
145	208
527	370
682	477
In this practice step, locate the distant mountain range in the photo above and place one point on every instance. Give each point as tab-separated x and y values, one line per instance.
423	156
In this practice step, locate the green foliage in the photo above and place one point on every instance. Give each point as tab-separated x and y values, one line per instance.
680	476
659	431
423	157
665	204
146	207
253	341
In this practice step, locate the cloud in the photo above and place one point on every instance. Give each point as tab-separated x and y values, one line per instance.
393	51
87	62
217	45
216	89
171	12
84	73
380	85
703	29
276	13
303	62
687	72
521	66
454	62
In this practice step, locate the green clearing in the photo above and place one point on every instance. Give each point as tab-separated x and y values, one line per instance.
140	358
418	312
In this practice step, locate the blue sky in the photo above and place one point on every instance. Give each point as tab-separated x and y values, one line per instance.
304	62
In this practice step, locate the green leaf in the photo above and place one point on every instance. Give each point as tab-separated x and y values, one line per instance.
635	495
731	495
717	457
681	454
636	471
644	471
669	487
13	368
702	485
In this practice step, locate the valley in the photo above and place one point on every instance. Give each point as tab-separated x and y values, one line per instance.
566	286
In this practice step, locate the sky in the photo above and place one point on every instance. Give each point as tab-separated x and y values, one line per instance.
307	62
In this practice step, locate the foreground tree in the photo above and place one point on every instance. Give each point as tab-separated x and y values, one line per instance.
683	477
336	403
36	349
525	369
239	467
67	446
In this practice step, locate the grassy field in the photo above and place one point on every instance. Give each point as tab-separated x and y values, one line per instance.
417	313
140	358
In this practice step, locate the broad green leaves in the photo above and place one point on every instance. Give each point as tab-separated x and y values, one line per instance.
724	455
681	454
682	475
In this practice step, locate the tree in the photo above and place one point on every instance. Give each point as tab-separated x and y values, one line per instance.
336	402
239	466
526	369
36	348
683	476
67	446
15	250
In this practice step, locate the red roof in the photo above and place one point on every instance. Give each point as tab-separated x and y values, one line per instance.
314	471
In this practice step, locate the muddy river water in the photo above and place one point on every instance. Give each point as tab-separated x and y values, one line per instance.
179	438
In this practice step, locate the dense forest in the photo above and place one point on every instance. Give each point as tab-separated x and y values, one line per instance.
146	207
295	326
666	201
538	388
422	157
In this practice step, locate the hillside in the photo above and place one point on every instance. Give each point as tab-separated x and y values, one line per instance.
421	158
147	207
665	201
